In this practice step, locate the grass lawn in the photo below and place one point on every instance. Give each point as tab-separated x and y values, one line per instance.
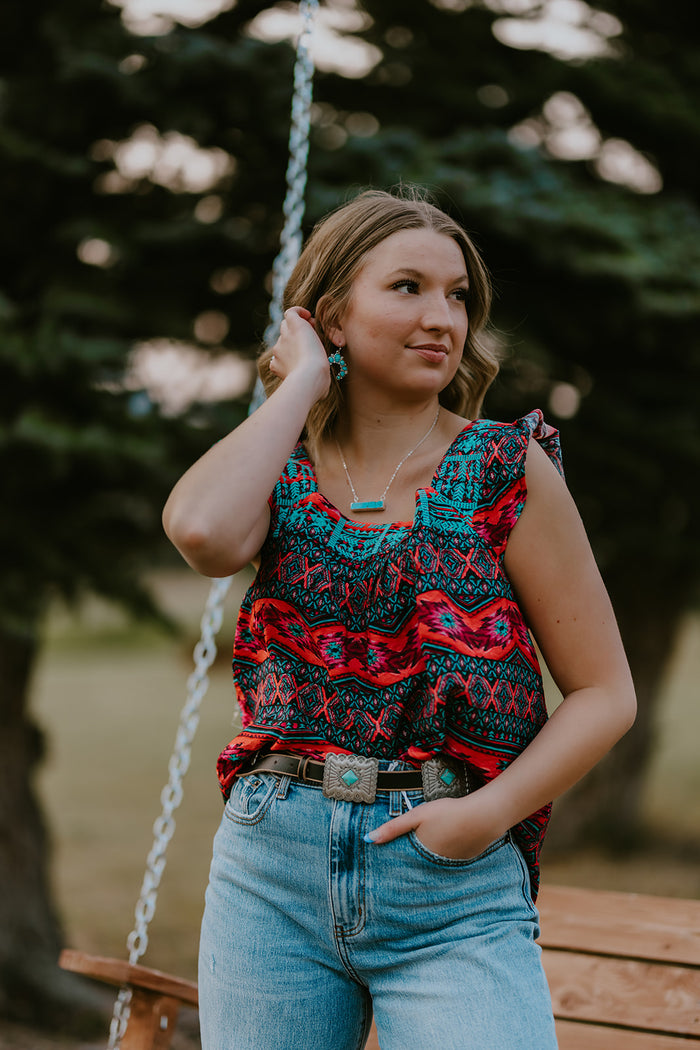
108	695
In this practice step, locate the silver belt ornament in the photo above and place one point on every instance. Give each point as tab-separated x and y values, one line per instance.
353	778
443	780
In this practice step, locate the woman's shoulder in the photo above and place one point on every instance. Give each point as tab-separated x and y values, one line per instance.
532	424
491	436
488	457
508	442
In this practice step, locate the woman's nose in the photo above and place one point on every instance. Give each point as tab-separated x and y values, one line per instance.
437	313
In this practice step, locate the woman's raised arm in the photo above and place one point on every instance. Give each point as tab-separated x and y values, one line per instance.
217	514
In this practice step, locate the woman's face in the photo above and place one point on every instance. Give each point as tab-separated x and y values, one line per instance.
406	323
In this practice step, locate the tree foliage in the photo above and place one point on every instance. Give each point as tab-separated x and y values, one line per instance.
598	288
86	464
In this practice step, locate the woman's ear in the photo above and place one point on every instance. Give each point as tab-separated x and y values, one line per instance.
327	320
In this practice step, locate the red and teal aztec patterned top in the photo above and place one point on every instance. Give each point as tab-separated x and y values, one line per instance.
399	641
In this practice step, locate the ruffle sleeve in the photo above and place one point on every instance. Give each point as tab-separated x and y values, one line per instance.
499	486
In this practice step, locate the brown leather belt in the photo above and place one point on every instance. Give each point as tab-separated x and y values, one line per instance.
354	778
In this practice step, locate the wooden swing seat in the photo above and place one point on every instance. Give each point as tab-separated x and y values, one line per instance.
623	969
156	1000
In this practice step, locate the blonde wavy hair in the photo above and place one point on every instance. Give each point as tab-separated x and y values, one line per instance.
322	281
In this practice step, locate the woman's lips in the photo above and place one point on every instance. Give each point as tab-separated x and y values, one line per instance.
431	351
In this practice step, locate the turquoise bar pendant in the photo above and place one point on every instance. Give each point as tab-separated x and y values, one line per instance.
368	504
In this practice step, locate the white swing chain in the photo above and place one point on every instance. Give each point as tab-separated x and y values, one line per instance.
171	796
205	649
294	201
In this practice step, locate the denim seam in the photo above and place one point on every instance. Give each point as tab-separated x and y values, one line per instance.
340	933
453	862
361	866
525	877
363	1034
342	949
337	928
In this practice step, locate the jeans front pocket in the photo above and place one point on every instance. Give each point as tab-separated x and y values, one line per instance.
453	862
251	798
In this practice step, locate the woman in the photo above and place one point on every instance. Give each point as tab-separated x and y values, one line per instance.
388	795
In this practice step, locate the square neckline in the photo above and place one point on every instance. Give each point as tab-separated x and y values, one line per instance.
382	526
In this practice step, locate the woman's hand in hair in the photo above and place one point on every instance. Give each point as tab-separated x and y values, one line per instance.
218	513
299	349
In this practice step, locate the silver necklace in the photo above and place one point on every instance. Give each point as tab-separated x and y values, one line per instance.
358	505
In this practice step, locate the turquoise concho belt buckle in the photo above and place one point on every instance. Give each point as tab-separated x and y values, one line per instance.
442	780
350	778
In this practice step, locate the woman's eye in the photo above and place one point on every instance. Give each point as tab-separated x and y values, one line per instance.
412	287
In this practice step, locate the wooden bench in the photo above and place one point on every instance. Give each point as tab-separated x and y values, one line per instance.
623	968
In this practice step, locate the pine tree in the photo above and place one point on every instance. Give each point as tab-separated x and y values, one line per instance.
95	260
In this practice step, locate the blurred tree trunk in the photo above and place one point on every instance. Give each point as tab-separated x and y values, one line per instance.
32	987
605	808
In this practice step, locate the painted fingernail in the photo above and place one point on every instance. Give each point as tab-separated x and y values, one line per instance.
369	837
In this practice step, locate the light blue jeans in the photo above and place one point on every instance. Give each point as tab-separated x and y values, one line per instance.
308	929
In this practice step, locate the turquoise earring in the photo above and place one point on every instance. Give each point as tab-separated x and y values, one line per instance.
338	359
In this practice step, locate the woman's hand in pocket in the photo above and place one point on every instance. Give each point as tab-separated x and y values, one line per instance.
457	828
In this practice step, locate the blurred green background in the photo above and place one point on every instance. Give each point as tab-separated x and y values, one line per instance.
143	151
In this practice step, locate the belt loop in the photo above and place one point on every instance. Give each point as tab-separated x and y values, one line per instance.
283	788
467	780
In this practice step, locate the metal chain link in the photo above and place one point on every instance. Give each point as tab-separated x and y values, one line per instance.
294	201
171	796
205	649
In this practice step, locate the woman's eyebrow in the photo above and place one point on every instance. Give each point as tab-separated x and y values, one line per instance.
410	272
